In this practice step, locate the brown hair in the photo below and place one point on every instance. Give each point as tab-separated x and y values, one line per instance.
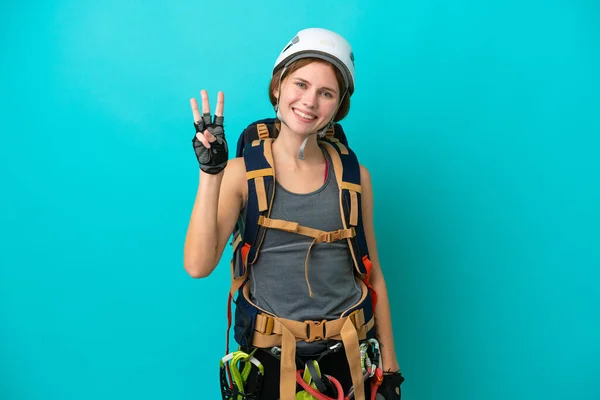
296	65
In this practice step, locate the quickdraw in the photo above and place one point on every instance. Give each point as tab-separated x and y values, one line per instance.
370	361
234	371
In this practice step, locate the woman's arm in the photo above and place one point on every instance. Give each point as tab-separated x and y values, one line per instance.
216	210
383	321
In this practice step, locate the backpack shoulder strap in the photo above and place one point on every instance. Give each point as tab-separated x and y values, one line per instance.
347	171
260	173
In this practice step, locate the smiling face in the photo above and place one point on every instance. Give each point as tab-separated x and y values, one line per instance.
309	97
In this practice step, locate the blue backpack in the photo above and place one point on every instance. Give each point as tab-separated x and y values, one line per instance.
255	327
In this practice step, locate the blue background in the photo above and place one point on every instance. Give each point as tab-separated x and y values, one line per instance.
478	121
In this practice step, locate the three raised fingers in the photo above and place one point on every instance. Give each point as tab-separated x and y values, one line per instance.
206	137
206	107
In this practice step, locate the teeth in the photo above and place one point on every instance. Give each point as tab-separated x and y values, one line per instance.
300	113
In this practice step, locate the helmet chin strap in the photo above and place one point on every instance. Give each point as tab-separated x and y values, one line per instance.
320	133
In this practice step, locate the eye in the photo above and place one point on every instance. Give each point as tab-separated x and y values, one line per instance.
300	84
327	94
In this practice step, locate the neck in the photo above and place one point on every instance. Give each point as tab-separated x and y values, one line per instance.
287	144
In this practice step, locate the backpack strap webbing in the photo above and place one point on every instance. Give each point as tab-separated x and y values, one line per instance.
330	132
260	173
263	131
350	328
318	235
347	172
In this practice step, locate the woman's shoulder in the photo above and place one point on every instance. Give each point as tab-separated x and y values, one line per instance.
237	164
235	177
236	170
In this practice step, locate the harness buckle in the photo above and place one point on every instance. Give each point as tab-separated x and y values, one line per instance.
315	330
335	236
264	324
330	237
269	326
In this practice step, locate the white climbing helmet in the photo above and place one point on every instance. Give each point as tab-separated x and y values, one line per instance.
323	44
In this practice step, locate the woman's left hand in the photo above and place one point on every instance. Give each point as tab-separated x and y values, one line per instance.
390	388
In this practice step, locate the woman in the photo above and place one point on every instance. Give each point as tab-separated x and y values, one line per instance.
312	81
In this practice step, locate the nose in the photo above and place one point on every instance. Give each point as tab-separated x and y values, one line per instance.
310	98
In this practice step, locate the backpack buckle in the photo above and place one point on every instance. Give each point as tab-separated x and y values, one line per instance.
334	236
315	330
330	237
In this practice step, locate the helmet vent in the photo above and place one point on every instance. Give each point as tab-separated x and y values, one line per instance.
295	40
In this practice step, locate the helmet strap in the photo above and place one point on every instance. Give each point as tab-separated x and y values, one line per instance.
277	110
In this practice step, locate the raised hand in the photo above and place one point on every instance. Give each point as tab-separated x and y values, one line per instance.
209	142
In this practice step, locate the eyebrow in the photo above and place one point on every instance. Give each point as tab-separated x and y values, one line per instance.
324	87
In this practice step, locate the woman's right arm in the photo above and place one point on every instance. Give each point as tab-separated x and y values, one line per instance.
219	200
220	194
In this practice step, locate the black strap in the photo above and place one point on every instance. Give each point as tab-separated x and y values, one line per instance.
315	376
